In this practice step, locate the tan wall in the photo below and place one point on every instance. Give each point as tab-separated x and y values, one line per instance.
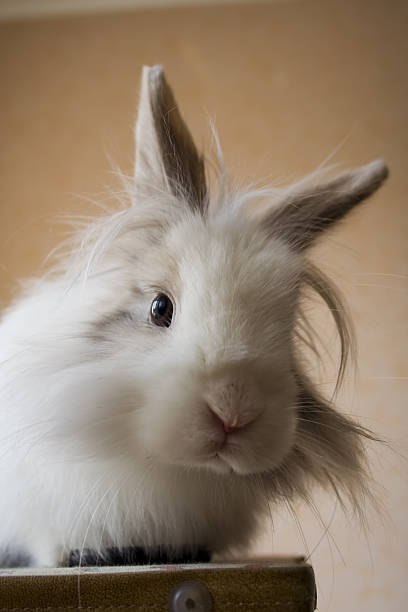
286	83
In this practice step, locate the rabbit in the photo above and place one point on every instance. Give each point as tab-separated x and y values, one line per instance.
153	389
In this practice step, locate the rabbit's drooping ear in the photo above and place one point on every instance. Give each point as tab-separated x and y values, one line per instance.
309	210
166	157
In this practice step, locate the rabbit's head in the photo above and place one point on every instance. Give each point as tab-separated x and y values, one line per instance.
209	328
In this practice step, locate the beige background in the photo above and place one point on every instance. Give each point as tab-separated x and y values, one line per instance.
287	83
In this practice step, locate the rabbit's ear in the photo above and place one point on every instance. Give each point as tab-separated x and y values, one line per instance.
309	210
166	157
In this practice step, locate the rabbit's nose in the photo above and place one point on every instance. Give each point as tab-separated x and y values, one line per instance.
229	424
230	427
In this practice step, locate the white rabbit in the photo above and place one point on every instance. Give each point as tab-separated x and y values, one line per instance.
152	393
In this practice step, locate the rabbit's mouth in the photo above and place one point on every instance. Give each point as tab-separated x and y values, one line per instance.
233	462
221	463
224	466
228	460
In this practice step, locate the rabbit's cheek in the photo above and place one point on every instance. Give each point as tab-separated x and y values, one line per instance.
178	431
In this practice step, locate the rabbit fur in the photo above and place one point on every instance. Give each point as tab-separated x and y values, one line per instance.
116	431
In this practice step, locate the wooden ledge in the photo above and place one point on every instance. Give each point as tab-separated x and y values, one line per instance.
284	585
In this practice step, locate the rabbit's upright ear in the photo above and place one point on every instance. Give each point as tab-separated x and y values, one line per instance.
308	210
166	157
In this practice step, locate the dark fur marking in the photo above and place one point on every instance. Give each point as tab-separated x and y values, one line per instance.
101	328
135	555
14	558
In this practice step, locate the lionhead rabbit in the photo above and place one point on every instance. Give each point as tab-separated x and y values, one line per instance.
152	392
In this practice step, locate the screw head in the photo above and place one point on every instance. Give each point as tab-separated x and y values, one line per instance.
190	596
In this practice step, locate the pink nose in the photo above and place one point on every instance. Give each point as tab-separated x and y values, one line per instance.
229	426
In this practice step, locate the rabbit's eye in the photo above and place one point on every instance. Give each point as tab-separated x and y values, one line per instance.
161	310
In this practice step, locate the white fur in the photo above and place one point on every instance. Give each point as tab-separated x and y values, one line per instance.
126	426
111	427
